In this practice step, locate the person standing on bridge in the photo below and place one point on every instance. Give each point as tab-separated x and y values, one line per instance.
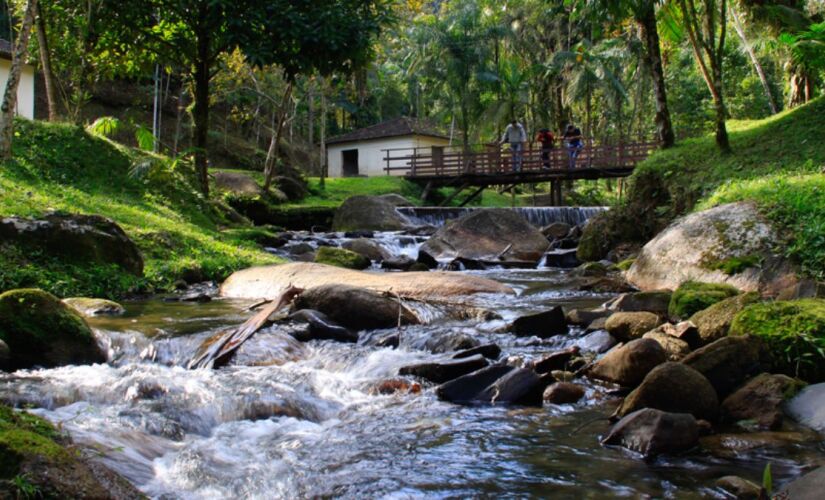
516	136
547	140
573	139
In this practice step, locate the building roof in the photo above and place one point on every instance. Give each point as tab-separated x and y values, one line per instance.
391	128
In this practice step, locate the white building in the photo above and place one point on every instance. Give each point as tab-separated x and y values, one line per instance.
25	91
362	152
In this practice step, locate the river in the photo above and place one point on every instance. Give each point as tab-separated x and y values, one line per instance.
312	427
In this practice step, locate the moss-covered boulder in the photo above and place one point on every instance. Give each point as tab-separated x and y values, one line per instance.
40	330
693	296
794	333
714	322
341	257
94	307
36	463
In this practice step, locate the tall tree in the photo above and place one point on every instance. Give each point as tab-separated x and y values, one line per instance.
643	13
706	24
739	26
9	105
46	63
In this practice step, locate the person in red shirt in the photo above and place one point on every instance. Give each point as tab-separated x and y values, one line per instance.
547	141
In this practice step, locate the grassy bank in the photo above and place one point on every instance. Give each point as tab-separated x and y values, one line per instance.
61	167
777	163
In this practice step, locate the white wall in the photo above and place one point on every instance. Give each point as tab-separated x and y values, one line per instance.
371	155
25	91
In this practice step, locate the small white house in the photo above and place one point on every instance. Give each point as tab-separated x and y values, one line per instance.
362	152
25	91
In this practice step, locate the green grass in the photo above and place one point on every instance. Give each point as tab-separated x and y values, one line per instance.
777	163
338	189
61	167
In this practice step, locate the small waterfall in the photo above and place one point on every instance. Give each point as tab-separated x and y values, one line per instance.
538	216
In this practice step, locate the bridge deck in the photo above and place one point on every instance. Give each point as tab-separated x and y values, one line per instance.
452	167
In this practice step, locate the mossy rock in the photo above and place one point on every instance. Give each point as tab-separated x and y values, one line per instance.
793	331
89	307
714	322
40	330
625	264
592	269
23	435
693	296
627	326
341	258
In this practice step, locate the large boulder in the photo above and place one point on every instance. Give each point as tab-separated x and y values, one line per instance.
727	362
673	387
652	432
40	330
808	487
793	332
368	248
488	235
760	400
375	213
270	281
727	244
808	407
714	322
340	257
693	296
627	365
627	326
80	238
356	308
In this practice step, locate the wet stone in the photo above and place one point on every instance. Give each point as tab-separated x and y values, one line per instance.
443	371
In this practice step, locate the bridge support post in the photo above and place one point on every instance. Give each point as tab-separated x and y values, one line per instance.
555	192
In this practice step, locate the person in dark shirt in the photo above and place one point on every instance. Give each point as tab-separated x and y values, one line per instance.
547	140
573	139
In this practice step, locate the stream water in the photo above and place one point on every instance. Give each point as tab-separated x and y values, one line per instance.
311	427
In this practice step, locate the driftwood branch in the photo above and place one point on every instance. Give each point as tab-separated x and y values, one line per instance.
222	349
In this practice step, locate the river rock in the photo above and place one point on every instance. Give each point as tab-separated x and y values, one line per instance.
543	325
598	342
714	322
727	362
369	213
685	331
561	393
565	259
270	347
393	386
673	387
237	183
81	238
652	432
443	371
556	361
40	330
808	407
627	326
321	327
655	301
5	356
596	324
356	308
450	341
367	248
399	263
760	400
628	364
740	488
808	487
584	317
487	235
696	248
340	257
676	348
556	230
693	296
94	307
496	384
733	446
270	281
489	351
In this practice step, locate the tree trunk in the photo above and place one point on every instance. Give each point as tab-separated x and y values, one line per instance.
323	132
179	119
9	106
273	152
653	61
200	117
721	112
46	65
740	30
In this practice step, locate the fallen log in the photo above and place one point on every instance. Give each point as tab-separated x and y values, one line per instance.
220	351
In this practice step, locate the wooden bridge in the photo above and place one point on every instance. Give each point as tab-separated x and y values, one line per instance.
489	165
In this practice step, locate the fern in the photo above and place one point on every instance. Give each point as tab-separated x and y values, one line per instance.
105	126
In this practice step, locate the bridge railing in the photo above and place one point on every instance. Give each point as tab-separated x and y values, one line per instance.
493	159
